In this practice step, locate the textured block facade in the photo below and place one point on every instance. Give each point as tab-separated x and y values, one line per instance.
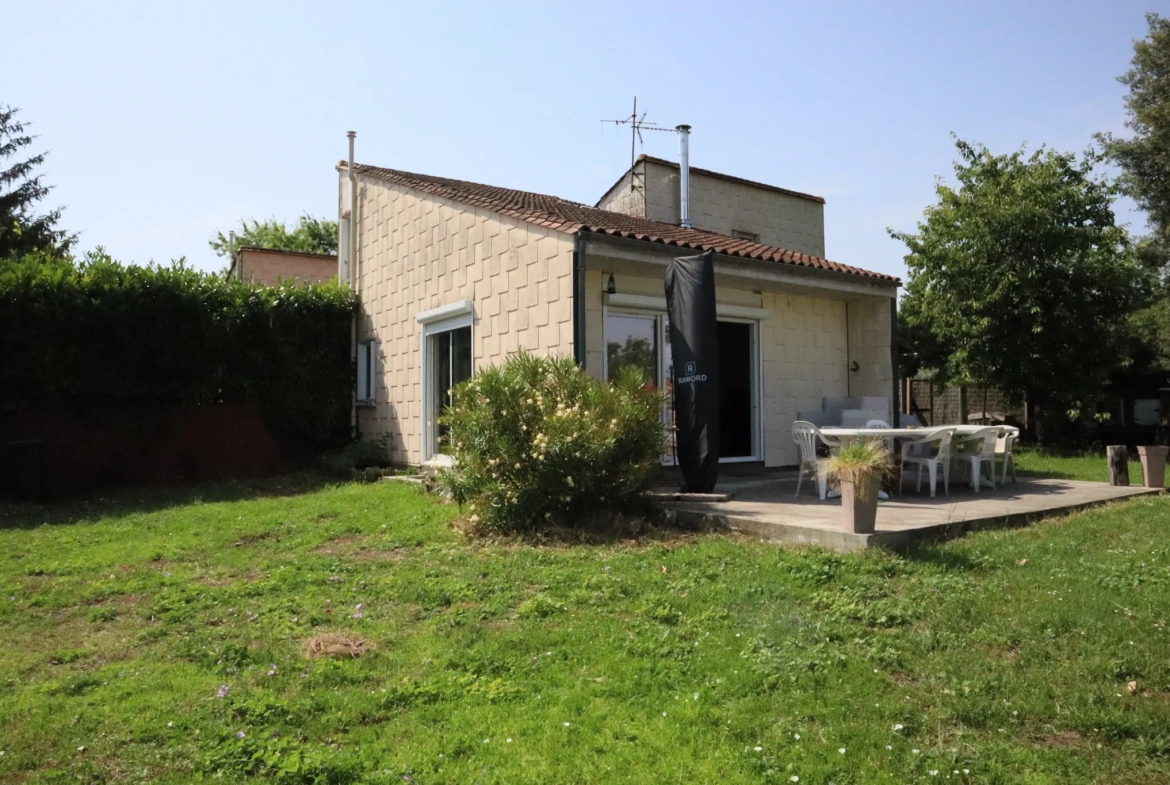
807	345
416	253
725	205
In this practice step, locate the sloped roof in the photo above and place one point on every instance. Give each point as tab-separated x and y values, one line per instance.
573	217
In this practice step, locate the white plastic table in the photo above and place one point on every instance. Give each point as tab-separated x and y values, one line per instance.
839	437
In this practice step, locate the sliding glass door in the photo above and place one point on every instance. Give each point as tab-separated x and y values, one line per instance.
448	362
642	340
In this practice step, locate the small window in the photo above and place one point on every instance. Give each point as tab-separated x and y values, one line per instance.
739	234
365	372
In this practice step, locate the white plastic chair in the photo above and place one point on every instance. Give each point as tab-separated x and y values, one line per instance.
877	424
931	451
805	434
1003	451
977	449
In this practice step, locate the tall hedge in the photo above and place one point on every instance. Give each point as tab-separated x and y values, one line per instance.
100	333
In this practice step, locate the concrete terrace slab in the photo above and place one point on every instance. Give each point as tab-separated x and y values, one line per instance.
767	507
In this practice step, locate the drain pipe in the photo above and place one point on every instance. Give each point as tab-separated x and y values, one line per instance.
684	175
351	241
351	252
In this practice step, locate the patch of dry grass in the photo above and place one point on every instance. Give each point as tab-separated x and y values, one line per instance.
336	644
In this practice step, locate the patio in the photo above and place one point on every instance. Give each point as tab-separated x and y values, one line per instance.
765	506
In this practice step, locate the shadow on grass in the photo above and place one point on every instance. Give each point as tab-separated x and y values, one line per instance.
935	553
117	503
638	527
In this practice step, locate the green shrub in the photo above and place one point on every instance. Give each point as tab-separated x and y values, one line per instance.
97	333
539	441
358	455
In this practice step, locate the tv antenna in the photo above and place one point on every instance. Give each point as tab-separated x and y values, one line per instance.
637	126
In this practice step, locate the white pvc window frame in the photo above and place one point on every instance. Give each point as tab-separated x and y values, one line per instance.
444	319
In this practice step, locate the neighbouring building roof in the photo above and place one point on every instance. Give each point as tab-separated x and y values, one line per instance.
718	176
573	217
322	256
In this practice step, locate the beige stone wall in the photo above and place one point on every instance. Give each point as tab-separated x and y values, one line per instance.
416	253
272	267
869	347
625	200
806	346
726	207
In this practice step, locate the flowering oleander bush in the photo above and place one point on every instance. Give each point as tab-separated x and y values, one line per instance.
539	441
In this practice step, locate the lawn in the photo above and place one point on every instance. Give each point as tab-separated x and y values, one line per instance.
1071	465
157	637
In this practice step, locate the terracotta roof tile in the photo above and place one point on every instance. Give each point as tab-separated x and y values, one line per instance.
573	217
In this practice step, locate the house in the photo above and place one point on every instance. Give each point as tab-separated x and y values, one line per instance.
270	266
454	276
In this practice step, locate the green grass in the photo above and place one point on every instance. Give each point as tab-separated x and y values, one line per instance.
1071	465
674	658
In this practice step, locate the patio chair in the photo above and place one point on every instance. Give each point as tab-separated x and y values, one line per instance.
805	434
877	424
1003	451
978	450
931	451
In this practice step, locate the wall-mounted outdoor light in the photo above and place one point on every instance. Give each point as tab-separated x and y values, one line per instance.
611	287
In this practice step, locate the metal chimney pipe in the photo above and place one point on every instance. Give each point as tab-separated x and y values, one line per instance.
684	175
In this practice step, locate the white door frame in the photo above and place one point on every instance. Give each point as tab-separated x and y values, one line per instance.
646	308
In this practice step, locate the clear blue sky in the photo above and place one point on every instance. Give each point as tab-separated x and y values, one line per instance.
166	122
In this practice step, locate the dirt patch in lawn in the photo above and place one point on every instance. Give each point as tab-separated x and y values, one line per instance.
1065	740
252	539
340	546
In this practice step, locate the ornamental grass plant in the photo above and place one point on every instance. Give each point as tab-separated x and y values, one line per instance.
863	463
541	442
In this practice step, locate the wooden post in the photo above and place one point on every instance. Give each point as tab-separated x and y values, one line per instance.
1118	464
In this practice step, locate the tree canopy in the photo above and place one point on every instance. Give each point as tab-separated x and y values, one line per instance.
22	231
310	235
1019	277
1144	158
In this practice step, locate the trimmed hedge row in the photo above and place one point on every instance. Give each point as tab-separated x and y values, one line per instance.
99	333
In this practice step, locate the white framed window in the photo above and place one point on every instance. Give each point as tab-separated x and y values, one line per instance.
447	360
366	372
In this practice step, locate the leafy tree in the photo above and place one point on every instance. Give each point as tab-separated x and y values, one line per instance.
1144	158
637	353
310	235
1020	279
21	230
